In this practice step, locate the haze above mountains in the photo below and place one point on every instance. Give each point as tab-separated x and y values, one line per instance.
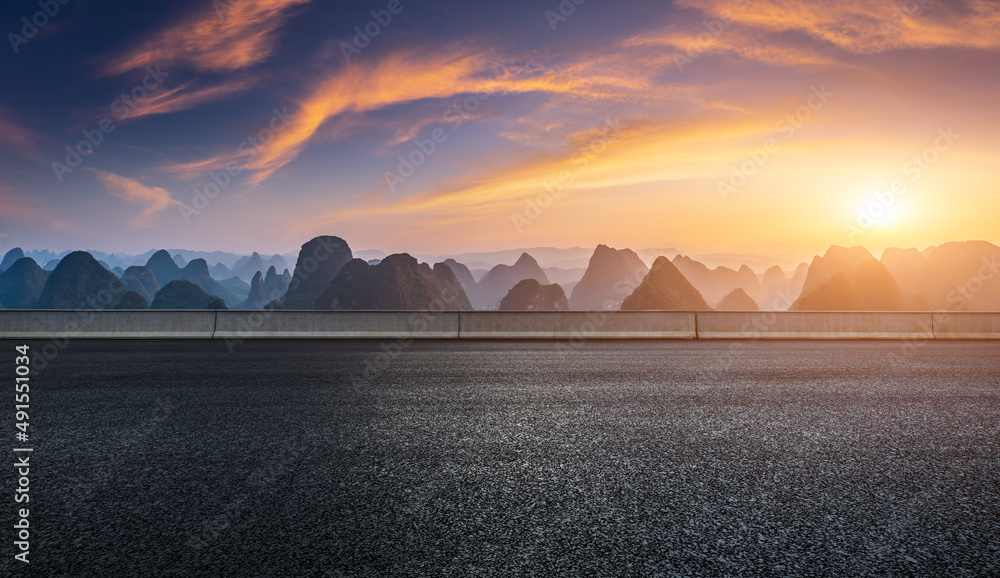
959	276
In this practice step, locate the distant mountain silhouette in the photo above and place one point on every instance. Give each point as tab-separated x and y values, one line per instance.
132	300
80	282
278	262
197	272
141	280
12	256
714	284
957	276
51	265
738	300
771	291
256	299
181	261
320	261
220	271
849	280
397	283
665	289
611	276
530	295
235	285
777	292
248	267
185	295
263	289
566	278
163	267
456	294
43	256
462	273
501	279
22	283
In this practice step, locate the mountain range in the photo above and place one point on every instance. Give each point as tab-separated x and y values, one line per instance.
530	295
487	293
959	276
398	282
665	289
611	276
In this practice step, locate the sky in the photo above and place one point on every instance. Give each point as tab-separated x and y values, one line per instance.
443	127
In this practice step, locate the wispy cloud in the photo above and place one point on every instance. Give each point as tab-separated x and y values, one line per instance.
240	34
416	74
869	26
156	199
33	210
187	96
15	138
644	153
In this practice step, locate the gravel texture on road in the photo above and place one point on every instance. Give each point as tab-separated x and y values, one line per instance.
300	458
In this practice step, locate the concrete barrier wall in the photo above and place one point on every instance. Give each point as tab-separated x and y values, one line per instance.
572	325
813	325
966	326
336	325
577	325
89	324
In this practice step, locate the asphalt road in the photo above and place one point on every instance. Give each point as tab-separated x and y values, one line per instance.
512	459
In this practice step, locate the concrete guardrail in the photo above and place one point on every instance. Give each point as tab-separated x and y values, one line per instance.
577	325
564	325
814	325
91	324
337	325
966	326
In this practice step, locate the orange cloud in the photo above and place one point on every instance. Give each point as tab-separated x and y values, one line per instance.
183	97
867	26
32	210
133	191
225	36
643	152
414	75
200	168
16	138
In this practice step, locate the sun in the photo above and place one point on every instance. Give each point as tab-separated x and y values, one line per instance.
880	211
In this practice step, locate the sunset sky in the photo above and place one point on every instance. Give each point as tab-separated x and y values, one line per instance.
714	124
